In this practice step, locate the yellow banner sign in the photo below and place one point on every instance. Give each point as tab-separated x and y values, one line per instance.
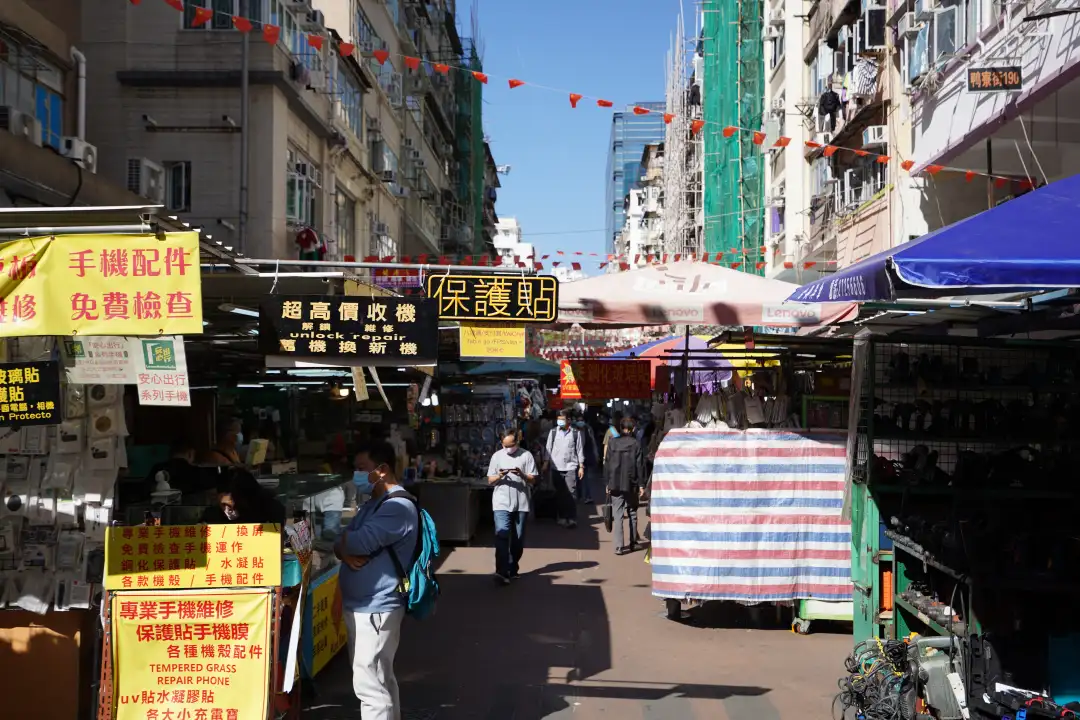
101	285
192	556
191	655
328	634
492	340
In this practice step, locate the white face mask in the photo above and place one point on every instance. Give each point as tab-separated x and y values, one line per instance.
230	513
239	438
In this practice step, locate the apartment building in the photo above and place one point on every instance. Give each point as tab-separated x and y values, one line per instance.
510	247
630	133
44	157
642	233
356	156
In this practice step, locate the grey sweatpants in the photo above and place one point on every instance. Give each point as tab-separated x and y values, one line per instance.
373	642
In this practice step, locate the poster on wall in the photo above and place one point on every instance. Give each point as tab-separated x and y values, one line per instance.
191	654
161	372
367	331
492	341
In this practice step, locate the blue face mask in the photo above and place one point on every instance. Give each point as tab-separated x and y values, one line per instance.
362	480
239	439
580	424
561	422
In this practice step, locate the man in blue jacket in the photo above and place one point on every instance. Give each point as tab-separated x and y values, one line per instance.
372	600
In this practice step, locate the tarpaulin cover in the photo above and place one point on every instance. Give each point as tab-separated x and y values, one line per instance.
1025	244
751	516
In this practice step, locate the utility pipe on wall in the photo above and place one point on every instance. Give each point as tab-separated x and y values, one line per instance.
80	67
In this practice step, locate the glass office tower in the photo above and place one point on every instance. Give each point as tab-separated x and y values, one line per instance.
630	134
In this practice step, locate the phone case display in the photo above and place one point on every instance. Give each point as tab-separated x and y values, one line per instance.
472	431
56	488
529	399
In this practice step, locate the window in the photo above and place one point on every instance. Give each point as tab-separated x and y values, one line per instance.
345	223
224	10
777	55
33	85
350	99
870	29
300	190
178	186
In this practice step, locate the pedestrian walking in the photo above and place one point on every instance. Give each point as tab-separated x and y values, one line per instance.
592	462
624	479
512	472
566	460
371	595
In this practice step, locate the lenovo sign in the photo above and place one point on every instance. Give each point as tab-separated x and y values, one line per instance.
791	314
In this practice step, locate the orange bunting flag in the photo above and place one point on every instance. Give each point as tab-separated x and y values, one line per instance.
605	103
556	264
480	76
574	99
969	176
735	265
695	126
515	83
782	142
413	63
638	110
201	16
271	34
759	266
934	169
559	252
812	144
668	117
678	257
1026	184
538	266
346	49
1000	182
176	4
883	159
759	138
861	153
602	265
907	164
135	2
544	257
730	130
664	261
830	150
576	266
241	23
315	41
381	56
705	257
441	68
788	265
624	266
808	264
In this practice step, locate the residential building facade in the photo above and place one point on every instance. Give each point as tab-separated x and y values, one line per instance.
643	224
45	159
365	156
630	133
510	248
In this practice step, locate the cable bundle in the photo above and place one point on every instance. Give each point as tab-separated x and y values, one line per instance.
878	685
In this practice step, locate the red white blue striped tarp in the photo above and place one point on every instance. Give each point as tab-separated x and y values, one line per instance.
750	516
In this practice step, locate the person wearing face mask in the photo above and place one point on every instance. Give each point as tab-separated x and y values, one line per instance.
369	597
242	500
592	461
566	457
512	472
226	452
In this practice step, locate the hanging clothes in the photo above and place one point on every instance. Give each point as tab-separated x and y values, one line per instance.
828	106
865	76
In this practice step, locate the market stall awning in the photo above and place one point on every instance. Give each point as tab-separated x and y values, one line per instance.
530	366
690	292
1025	244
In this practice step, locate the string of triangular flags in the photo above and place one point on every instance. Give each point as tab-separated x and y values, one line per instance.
318	41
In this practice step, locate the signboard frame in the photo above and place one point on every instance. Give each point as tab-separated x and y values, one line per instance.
495	297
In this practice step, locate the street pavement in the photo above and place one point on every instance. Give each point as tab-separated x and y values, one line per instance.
580	636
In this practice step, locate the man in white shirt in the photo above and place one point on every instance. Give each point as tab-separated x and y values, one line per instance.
566	453
512	471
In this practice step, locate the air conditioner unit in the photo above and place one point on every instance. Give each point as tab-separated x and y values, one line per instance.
924	10
147	178
316	81
19	123
316	177
414	154
83	153
776	17
909	26
389	176
875	136
313	21
778	104
419	163
380	228
399	191
772	32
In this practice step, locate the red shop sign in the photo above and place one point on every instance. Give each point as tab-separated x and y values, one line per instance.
605	379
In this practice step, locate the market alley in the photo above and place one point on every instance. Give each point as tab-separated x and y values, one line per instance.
579	635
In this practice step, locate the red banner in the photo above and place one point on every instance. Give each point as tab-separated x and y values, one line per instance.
605	379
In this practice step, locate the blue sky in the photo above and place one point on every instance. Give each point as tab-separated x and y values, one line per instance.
614	49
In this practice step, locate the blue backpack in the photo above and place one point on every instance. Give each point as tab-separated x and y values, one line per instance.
418	584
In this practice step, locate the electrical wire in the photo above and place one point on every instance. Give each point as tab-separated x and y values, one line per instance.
877	681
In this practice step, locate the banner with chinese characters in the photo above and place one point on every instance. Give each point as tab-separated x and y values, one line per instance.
187	655
101	285
192	556
605	379
367	331
161	371
500	298
995	79
396	278
482	341
29	393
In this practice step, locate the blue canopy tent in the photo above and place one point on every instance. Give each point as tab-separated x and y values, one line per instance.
529	366
1030	243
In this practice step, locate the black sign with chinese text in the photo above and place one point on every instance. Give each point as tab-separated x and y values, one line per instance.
499	298
29	393
357	330
992	79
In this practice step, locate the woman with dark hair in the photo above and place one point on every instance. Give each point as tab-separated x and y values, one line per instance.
241	499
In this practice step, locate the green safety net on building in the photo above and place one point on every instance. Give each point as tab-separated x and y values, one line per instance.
733	94
470	148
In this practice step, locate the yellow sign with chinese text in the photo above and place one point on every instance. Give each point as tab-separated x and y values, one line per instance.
191	655
493	340
495	298
328	634
192	556
101	285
